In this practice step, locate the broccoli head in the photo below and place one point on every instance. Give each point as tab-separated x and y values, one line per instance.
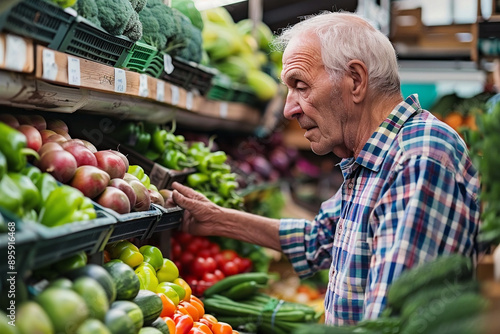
138	5
88	9
156	12
114	15
133	29
189	41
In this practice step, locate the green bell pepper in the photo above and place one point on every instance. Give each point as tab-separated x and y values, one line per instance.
29	192
34	173
142	138
152	255
3	165
117	248
195	180
46	184
13	144
176	160
64	205
226	187
75	261
138	172
147	277
127	252
11	197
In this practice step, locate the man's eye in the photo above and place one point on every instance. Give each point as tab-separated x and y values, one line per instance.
301	87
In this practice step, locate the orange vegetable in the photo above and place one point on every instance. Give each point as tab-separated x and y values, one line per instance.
454	119
186	287
222	328
206	322
170	324
193	311
201	326
199	307
169	307
193	297
183	323
210	318
106	256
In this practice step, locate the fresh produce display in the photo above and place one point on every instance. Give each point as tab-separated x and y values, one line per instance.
233	50
237	301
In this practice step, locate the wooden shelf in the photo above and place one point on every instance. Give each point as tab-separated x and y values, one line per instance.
54	81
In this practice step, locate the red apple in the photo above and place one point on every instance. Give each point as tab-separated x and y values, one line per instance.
33	136
90	180
111	163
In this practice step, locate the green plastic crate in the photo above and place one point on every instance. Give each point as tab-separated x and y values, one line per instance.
155	66
40	20
139	58
221	89
88	41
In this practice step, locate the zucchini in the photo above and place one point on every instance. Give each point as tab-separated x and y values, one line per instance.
453	268
228	282
242	290
126	281
161	325
133	311
445	310
150	305
118	322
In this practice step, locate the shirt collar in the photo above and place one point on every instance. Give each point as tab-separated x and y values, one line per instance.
376	148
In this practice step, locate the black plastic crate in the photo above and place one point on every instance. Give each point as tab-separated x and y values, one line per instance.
190	75
19	242
88	41
56	243
133	224
170	219
40	20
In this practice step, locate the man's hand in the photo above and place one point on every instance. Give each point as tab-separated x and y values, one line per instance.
200	214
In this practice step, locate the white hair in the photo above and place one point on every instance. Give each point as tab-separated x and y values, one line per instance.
344	37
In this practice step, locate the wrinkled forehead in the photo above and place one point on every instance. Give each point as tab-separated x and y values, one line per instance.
306	43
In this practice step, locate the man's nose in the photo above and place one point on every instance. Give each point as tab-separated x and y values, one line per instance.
292	108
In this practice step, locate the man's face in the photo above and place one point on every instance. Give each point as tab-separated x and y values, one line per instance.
313	99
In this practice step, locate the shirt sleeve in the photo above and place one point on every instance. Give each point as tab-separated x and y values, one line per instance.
426	211
308	244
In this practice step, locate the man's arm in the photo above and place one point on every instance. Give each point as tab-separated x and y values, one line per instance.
202	217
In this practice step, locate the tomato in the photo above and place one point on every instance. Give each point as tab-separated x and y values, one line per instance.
183	238
202	286
229	254
219	274
175	250
246	264
204	253
183	323
186	259
201	265
214	249
237	262
210	278
230	268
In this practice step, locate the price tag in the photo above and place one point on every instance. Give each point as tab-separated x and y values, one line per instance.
15	56
160	91
175	95
2	51
74	71
120	81
49	65
167	62
189	100
158	176
223	109
143	85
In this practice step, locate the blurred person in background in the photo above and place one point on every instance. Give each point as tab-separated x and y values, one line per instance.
410	191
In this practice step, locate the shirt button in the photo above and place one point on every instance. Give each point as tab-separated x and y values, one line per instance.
350	185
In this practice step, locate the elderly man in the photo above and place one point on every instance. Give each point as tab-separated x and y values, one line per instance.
409	192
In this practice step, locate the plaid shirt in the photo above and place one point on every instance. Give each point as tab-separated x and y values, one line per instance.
410	195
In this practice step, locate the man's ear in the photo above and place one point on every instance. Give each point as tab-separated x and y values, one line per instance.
359	76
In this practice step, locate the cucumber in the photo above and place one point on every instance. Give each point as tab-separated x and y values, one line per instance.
242	290
445	310
452	268
422	299
161	325
118	322
133	311
150	305
98	273
126	281
227	283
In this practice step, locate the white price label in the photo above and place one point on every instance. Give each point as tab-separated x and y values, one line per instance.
74	77
143	85
223	109
189	100
15	56
167	62
175	95
2	51
120	81
49	65
160	91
